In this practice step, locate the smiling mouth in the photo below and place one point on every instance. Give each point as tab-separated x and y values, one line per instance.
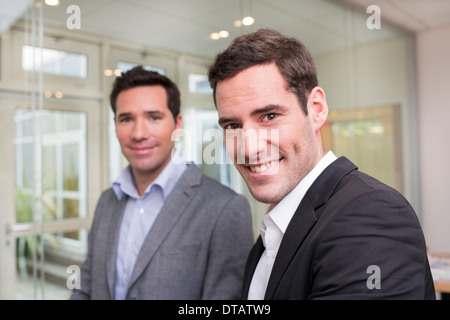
263	167
142	150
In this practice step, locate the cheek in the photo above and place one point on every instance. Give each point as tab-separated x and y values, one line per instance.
120	134
124	134
170	136
231	146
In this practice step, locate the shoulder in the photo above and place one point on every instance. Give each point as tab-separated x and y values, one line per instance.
197	179
361	186
224	196
364	202
107	201
342	185
211	192
107	195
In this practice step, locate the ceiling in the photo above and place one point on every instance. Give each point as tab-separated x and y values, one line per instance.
10	10
185	26
411	15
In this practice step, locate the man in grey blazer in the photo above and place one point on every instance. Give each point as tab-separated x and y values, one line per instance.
164	230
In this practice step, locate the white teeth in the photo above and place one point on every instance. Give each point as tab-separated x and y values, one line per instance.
263	167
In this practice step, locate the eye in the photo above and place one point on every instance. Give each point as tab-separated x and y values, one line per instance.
270	116
231	126
154	118
125	119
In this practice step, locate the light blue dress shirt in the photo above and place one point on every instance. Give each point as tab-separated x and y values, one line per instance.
139	216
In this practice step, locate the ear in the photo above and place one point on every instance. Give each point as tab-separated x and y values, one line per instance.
317	108
178	126
115	123
179	122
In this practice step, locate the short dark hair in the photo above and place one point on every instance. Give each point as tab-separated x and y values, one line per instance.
139	77
267	46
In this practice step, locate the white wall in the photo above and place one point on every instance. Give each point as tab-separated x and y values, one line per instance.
433	79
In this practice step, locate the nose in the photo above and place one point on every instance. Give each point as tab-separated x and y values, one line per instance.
250	145
254	144
140	130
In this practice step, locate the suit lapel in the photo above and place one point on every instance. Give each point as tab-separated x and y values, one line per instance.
305	218
172	210
117	208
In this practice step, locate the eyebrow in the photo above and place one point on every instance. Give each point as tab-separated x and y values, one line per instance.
226	120
266	109
269	108
151	113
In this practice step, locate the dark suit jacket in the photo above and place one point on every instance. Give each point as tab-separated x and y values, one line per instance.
196	248
346	223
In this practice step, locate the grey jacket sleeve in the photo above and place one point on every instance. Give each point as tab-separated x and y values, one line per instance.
231	242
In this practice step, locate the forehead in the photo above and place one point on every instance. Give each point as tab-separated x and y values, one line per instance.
254	79
254	87
143	96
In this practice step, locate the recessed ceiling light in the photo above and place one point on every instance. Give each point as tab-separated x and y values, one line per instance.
59	95
248	21
52	2
214	36
224	34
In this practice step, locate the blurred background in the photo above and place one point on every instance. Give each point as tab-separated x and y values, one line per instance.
384	66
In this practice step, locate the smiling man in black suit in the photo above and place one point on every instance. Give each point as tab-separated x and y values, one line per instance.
331	231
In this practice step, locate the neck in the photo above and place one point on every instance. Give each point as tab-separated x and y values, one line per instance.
141	186
143	179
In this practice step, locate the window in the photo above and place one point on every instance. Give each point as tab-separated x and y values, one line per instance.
199	84
125	66
63	165
55	62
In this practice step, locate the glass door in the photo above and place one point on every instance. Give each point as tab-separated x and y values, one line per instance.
58	197
48	196
51	163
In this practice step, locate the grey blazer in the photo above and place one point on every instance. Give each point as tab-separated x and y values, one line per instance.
196	249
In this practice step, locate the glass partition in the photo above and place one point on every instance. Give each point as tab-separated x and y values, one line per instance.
61	193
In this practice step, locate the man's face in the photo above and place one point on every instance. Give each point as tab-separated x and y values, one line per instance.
270	140
144	126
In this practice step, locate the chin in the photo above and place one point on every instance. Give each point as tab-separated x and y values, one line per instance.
266	198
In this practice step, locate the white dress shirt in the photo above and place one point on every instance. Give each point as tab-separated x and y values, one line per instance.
274	225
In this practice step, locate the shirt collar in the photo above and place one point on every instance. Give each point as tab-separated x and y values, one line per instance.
283	212
166	180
